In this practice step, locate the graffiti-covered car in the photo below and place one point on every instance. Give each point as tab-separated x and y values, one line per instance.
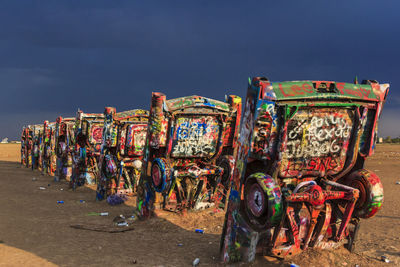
65	137
49	159
86	152
22	149
37	133
26	146
300	180
124	138
189	153
41	146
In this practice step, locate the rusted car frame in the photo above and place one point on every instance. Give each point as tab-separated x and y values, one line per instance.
49	159
26	146
124	137
86	152
189	153
299	179
37	132
65	140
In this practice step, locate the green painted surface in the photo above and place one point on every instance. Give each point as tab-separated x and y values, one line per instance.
328	104
189	101
131	113
306	89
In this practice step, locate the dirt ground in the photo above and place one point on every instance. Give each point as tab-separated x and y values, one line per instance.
35	230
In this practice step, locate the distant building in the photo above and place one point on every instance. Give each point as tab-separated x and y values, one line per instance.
4	141
380	140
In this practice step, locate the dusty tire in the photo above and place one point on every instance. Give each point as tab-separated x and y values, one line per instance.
262	201
371	192
226	163
160	175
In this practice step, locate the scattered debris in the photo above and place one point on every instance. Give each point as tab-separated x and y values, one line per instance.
180	245
385	259
119	219
61	189
132	218
42	188
60	201
97	214
294	265
199	231
134	261
116	199
196	262
34	179
398	182
1	242
82	201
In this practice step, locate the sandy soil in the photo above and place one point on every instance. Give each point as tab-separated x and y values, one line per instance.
10	152
35	230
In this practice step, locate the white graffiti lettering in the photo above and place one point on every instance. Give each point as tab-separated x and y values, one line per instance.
196	137
316	136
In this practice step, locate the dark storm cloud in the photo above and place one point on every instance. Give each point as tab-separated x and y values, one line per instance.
57	56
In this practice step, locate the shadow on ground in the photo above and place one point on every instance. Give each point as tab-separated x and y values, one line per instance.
32	220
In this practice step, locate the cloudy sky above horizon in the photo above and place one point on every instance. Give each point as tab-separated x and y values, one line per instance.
58	56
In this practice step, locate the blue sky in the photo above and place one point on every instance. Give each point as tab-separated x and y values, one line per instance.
58	56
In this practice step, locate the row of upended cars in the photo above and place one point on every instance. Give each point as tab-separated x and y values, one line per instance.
286	165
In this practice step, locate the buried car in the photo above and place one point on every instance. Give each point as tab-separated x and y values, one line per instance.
64	146
48	158
299	179
85	155
120	163
37	131
22	148
26	146
189	153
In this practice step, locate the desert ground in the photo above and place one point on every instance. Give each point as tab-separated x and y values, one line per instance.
35	230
